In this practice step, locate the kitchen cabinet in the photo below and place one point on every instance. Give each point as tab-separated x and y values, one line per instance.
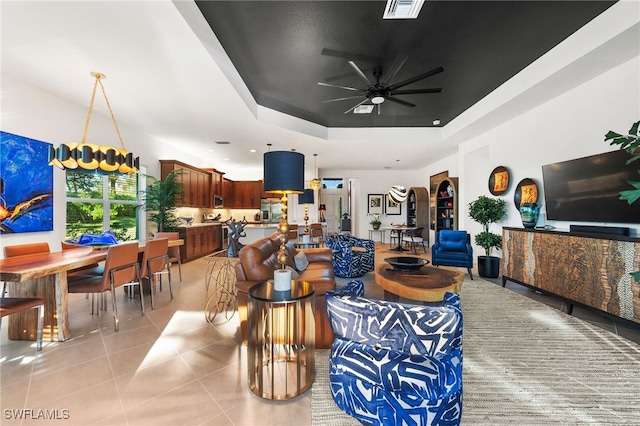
200	241
246	194
216	182
227	192
196	182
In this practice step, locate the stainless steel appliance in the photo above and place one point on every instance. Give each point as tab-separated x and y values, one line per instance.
271	210
218	202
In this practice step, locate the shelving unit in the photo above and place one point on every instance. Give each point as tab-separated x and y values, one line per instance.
418	210
447	204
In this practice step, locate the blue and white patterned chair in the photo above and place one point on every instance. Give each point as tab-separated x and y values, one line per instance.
349	263
393	363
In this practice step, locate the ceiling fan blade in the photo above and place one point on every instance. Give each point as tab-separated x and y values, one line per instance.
416	91
416	78
321	83
398	63
348	55
341	99
401	102
356	106
360	73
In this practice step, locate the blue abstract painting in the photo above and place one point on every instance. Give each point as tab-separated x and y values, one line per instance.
26	185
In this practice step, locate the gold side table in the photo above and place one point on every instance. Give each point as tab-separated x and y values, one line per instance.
281	350
220	287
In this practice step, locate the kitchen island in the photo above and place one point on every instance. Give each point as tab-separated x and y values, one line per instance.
255	232
200	239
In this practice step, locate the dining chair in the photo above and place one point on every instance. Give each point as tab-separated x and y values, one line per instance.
293	232
93	269
174	252
24	250
155	262
12	305
121	268
414	238
315	229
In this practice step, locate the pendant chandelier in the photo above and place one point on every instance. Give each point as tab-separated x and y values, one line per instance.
88	157
398	193
315	183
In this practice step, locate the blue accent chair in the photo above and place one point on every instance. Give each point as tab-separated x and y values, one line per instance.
394	363
349	263
453	248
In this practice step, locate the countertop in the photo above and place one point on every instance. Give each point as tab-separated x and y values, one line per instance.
193	225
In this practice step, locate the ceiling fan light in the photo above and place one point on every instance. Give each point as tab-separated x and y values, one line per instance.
377	100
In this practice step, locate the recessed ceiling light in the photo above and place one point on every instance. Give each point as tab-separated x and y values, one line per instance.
436	122
226	159
252	150
363	109
402	9
211	150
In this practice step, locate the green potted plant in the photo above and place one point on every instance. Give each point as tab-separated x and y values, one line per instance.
375	222
486	211
160	199
631	144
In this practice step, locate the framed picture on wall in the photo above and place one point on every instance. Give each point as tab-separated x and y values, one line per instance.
375	204
391	207
499	180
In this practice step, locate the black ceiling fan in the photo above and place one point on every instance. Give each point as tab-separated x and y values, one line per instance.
382	90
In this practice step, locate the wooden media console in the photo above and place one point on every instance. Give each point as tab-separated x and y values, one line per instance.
591	270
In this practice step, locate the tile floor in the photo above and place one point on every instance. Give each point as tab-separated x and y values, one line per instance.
167	367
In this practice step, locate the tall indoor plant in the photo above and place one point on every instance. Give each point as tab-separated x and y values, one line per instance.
631	144
160	199
486	211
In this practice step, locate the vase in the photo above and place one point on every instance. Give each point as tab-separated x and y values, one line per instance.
376	227
529	214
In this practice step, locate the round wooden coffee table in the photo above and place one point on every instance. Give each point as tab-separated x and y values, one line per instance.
428	284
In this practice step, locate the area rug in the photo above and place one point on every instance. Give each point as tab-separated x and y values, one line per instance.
525	363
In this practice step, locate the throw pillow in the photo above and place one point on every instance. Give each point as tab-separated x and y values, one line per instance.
301	261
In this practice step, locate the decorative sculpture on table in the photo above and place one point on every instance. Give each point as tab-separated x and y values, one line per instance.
236	230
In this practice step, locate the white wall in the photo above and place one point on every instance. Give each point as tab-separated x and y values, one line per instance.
569	126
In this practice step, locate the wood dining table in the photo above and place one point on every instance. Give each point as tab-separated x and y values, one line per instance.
44	275
399	230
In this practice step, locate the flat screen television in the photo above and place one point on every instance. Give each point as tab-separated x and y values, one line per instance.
588	189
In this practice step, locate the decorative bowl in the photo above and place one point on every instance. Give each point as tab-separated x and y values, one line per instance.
406	263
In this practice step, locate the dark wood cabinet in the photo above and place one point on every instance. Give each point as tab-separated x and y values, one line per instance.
216	182
227	192
196	182
246	194
446	204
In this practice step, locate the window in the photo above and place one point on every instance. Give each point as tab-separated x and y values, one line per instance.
97	202
332	183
